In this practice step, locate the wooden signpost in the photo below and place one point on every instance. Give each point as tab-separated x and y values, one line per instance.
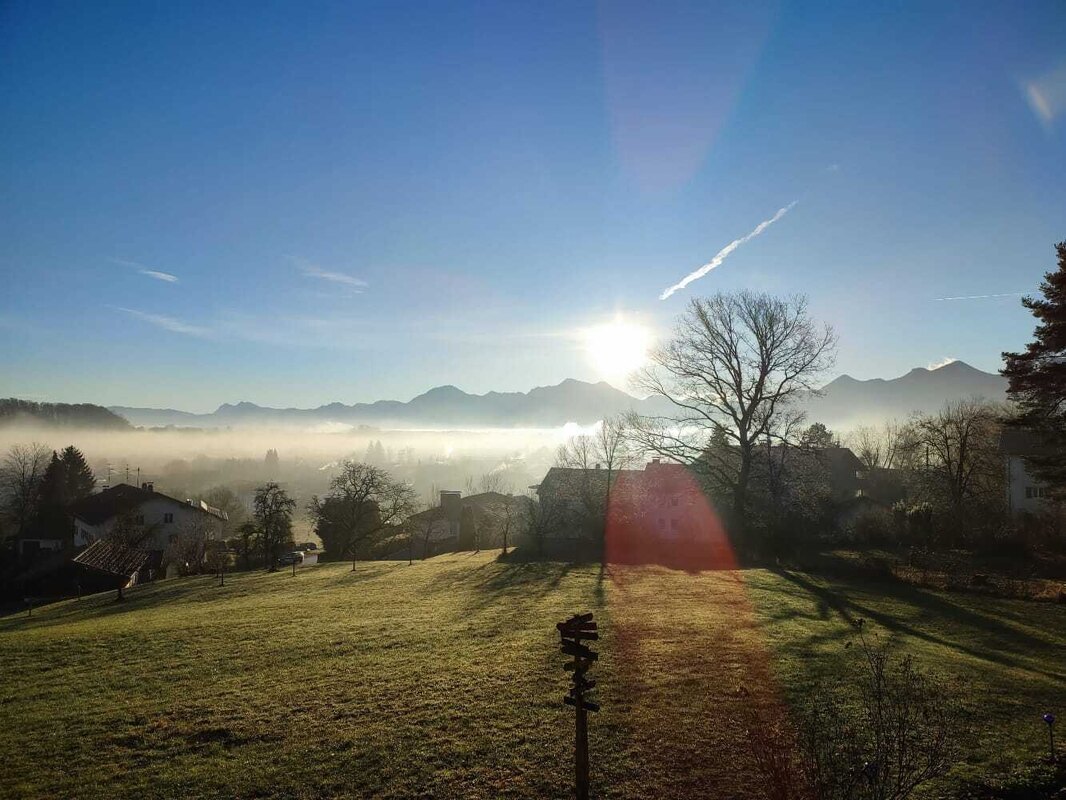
574	632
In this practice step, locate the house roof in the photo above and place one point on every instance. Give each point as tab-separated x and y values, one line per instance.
113	558
477	501
123	498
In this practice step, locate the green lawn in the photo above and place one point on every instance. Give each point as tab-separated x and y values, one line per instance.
443	679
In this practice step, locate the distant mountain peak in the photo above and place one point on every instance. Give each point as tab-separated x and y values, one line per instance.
956	366
844	403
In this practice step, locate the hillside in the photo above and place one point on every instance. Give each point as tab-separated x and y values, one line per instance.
443	679
63	415
843	403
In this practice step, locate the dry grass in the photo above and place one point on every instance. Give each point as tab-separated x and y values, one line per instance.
443	679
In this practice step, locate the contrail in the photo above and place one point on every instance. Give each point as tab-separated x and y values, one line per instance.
981	296
726	251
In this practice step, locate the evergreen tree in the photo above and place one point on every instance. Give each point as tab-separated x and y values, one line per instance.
1037	377
78	479
817	437
67	478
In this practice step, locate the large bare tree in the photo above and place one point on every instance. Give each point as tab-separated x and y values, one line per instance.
273	520
21	474
959	446
732	372
363	502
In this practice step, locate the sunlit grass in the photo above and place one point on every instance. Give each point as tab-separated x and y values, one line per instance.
444	679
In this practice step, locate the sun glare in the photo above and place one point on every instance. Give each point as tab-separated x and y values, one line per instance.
617	349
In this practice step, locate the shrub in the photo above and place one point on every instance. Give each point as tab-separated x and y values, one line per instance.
892	729
872	525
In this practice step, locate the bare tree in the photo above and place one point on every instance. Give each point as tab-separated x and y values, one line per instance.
733	371
21	474
421	526
363	502
273	520
187	550
879	448
127	532
225	499
599	456
543	518
493	482
959	448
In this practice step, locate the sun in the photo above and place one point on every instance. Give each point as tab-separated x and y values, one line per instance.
617	349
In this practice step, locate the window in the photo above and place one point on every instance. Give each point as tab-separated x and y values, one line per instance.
168	518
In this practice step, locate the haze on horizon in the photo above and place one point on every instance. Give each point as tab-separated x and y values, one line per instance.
303	205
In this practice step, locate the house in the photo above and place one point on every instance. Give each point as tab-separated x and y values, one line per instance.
157	517
836	472
658	514
436	530
1025	493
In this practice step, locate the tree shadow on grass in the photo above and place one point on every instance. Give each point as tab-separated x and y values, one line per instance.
999	639
178	592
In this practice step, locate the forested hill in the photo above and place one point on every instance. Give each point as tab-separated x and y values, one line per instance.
80	415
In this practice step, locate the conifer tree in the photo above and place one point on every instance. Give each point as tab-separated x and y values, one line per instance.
1037	377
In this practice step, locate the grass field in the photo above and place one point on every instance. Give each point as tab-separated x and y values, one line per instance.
443	679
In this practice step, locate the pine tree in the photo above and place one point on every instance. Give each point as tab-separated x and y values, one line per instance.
78	479
67	478
1037	377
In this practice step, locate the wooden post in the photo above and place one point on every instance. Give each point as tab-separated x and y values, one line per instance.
1049	718
294	568
572	633
581	752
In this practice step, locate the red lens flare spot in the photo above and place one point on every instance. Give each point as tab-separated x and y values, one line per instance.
661	516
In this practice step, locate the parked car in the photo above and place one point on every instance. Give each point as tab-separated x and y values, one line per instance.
295	557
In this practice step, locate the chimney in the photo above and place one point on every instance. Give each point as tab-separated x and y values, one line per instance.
655	462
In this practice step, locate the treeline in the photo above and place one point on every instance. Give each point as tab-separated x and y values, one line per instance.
37	487
66	415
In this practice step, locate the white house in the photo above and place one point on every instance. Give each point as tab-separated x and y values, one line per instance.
1025	493
159	517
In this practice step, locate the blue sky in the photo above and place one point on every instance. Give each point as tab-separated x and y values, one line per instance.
361	201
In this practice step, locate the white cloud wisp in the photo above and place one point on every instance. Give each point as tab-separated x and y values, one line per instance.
313	271
167	323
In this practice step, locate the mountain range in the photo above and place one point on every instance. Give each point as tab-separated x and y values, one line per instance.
843	403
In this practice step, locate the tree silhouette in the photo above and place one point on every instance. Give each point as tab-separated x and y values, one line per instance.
1037	377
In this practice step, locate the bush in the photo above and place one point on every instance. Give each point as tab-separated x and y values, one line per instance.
891	730
872	525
